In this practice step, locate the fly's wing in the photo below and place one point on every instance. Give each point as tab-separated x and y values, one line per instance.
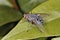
44	16
40	26
40	23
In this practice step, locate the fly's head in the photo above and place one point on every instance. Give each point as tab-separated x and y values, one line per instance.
26	16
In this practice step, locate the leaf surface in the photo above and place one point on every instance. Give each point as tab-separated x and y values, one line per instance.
8	14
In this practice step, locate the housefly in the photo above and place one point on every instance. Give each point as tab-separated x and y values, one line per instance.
35	19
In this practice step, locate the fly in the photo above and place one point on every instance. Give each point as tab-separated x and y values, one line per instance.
35	19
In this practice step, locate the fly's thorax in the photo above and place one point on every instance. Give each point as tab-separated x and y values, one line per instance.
31	17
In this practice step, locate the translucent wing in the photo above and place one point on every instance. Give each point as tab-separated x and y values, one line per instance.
42	14
39	24
41	28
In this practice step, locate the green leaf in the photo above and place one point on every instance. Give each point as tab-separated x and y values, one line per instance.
26	30
8	14
28	5
41	38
